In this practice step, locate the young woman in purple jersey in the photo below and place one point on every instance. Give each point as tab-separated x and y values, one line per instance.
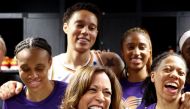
34	57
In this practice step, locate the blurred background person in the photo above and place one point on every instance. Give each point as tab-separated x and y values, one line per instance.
3	51
184	47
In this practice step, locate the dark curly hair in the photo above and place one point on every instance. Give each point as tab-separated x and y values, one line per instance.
82	6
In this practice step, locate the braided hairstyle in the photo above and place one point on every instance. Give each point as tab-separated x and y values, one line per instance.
33	42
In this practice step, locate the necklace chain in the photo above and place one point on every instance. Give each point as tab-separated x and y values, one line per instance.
87	63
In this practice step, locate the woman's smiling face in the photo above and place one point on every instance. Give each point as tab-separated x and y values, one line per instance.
169	78
98	96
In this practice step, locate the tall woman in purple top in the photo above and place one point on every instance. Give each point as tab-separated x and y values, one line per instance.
165	86
34	59
136	49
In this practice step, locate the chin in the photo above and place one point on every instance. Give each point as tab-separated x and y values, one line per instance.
82	49
137	67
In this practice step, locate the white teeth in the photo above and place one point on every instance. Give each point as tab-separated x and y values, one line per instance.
172	84
95	107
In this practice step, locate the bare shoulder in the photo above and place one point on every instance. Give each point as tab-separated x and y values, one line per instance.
113	61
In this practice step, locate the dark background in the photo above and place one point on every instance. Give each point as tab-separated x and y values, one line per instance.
12	29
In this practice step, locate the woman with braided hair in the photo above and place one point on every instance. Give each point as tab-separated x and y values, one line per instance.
34	57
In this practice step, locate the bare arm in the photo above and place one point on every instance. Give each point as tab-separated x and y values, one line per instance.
113	61
9	89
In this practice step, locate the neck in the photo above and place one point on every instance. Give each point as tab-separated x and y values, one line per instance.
40	94
168	105
137	75
75	59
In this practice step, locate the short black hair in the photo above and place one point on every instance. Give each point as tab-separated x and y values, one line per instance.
82	6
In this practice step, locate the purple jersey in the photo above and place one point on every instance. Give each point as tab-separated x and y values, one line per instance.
132	93
51	102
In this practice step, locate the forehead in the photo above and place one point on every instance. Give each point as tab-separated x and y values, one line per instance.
100	76
137	38
187	43
102	79
173	60
84	15
33	53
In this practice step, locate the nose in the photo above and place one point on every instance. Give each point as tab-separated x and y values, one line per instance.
100	97
174	74
136	51
33	75
85	30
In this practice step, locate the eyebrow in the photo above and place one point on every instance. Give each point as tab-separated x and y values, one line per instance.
98	88
23	66
81	21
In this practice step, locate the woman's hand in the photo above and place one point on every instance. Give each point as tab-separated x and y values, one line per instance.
9	89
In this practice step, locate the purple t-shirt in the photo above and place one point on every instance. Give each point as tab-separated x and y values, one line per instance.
132	93
51	102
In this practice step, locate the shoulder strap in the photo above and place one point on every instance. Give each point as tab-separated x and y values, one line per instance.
98	55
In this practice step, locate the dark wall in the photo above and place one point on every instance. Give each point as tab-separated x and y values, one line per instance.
162	31
165	5
29	6
12	32
118	16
